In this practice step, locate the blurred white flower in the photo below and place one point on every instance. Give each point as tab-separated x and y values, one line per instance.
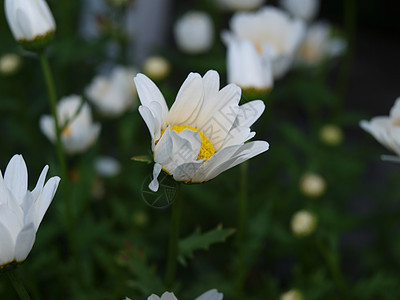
293	294
194	32
245	66
156	67
209	295
331	135
234	5
9	63
304	9
318	44
312	185
107	166
31	22
113	95
21	211
204	132
273	33
303	223
75	119
386	129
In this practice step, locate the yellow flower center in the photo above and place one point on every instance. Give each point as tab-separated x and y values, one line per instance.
66	132
206	149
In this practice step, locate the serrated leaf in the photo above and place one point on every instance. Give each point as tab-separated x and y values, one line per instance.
198	241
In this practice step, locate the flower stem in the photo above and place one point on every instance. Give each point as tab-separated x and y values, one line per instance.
173	241
18	285
334	267
53	106
242	225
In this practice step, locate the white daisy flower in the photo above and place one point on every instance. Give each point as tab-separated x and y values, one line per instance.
204	132
21	211
272	32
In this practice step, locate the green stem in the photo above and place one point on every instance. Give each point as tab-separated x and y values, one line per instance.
334	268
53	106
242	225
18	285
173	241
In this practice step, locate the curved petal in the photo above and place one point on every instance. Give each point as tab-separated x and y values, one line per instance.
149	119
149	92
42	204
210	85
185	171
154	184
10	221
188	101
16	177
24	242
39	185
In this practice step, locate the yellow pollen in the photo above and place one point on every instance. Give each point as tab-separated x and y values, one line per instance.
66	131
206	149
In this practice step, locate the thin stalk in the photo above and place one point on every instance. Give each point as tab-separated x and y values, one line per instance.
334	268
242	226
18	285
173	241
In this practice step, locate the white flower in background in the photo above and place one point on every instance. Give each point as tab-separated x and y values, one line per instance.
107	166
194	32
292	295
304	9
318	44
75	119
272	32
21	211
31	22
245	66
331	135
386	129
10	63
156	67
115	94
234	5
209	295
312	185
204	132
303	223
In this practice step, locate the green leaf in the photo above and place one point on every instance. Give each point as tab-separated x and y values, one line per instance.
199	240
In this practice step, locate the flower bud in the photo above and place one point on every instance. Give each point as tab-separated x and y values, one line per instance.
31	22
194	32
292	294
303	223
156	67
9	64
312	185
331	135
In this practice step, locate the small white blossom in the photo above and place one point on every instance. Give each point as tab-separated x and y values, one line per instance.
194	32
115	94
312	185
156	67
75	119
9	63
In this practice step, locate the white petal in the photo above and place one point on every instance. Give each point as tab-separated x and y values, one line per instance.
154	185
153	297
10	221
210	85
46	125
164	147
149	92
39	185
7	246
186	146
395	110
215	120
149	119
211	295
168	296
237	136
227	159
188	101
249	113
16	177
24	242
42	204
185	172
